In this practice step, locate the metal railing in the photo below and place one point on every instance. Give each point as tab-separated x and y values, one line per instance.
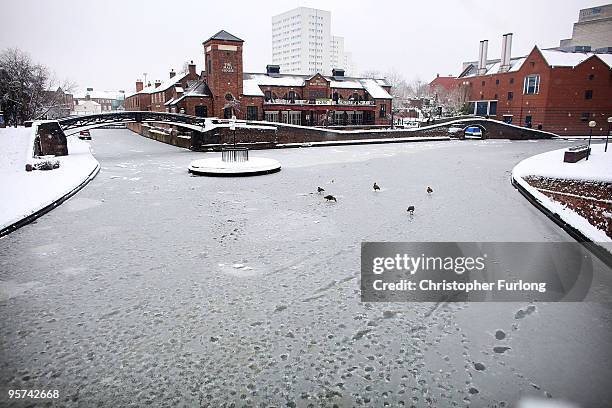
235	154
330	102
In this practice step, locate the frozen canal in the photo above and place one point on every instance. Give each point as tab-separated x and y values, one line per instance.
154	287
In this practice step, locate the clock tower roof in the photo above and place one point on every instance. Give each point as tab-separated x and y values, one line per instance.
224	36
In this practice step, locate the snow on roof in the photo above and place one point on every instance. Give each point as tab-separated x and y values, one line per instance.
346	84
197	88
99	95
179	89
169	102
556	58
553	57
251	88
372	86
168	83
493	67
607	58
281	80
87	102
374	89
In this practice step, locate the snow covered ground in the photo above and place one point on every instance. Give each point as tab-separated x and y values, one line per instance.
24	192
550	164
207	291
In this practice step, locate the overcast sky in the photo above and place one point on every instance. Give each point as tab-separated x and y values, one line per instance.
107	44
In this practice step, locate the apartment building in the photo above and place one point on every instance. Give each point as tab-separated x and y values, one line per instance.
302	42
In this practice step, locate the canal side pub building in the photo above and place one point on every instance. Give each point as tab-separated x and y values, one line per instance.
223	90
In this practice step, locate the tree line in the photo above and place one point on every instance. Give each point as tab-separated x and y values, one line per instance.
453	101
28	90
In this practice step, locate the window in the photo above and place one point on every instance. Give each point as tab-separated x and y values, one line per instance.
268	95
511	81
497	82
201	111
531	85
588	94
585	116
383	111
481	108
493	108
271	116
252	113
209	65
591	77
510	96
528	121
482	83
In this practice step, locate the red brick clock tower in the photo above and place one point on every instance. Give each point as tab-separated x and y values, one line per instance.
223	65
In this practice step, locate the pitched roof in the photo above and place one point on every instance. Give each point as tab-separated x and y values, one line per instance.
446	82
556	58
373	86
553	57
224	36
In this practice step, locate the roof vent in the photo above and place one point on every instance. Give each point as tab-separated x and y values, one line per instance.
89	89
273	70
338	73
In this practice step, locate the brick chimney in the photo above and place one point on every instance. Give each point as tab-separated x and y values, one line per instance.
192	71
172	74
139	85
157	83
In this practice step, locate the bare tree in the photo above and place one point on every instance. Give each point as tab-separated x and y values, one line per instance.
371	73
399	88
24	87
418	89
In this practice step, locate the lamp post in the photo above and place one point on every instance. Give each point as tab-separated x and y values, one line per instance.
609	131
592	124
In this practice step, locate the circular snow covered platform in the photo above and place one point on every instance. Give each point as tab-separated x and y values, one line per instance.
254	166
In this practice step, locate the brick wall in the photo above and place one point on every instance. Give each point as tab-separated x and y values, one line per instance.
560	104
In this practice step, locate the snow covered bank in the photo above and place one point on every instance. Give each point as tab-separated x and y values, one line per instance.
550	165
26	193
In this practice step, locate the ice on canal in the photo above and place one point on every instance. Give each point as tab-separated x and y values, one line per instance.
154	286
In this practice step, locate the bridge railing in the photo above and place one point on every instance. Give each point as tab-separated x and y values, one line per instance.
75	122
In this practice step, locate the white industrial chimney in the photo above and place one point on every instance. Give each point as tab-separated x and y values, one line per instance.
482	57
506	52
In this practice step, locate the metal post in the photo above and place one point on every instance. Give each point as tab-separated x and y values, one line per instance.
233	127
592	124
609	131
589	149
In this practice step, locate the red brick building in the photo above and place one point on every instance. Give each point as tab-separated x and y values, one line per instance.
223	90
548	89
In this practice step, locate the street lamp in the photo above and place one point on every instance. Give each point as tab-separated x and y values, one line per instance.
609	131
592	124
